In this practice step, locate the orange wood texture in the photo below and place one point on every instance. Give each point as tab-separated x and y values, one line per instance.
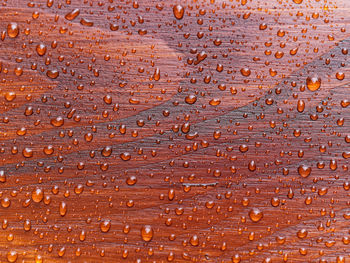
174	131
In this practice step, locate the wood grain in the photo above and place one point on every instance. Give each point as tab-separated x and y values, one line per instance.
174	131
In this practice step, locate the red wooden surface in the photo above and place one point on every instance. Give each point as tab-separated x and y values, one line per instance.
159	131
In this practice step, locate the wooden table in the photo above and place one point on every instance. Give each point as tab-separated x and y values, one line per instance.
174	131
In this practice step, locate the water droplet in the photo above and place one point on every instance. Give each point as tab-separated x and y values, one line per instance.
12	30
190	99
313	83
178	11
12	256
105	225
304	170
301	105
27	152
125	156
41	49
63	208
245	72
57	122
106	151
194	240
52	74
255	214
147	233
340	75
10	96
39	259
72	15
302	233
37	195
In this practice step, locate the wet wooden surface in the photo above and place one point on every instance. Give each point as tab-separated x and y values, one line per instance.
174	131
